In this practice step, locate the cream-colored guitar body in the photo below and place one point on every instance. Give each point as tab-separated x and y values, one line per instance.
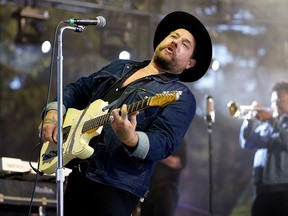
75	143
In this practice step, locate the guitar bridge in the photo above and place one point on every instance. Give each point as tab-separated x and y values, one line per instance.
51	154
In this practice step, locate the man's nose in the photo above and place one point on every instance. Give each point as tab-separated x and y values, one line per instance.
174	43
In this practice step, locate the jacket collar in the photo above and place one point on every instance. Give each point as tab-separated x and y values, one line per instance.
167	77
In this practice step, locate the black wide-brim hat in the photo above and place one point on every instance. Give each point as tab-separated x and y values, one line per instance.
203	55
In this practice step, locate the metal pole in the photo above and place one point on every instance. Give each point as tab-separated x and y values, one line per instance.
210	118
211	198
60	176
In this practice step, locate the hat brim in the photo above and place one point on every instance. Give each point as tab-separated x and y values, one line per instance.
203	55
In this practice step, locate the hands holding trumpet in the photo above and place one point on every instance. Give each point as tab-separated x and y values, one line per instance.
260	113
253	111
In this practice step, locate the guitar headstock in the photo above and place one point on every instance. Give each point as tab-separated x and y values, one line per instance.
165	98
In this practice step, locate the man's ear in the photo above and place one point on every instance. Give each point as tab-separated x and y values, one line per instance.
191	63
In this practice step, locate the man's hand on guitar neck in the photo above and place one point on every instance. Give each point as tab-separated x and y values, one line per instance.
124	126
49	132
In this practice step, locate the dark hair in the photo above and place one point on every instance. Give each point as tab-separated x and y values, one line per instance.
280	85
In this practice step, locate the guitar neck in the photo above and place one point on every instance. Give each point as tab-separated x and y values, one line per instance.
105	119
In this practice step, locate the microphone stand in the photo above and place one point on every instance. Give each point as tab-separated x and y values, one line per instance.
60	176
209	121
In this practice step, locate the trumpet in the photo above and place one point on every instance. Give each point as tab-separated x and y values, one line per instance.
243	111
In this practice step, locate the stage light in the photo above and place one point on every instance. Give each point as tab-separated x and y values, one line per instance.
115	43
46	46
124	55
215	65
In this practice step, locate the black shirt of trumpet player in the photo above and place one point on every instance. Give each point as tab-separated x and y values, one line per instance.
265	131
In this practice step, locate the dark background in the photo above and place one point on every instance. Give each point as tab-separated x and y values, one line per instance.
249	40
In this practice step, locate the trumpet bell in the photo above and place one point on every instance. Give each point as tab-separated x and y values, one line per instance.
244	112
233	109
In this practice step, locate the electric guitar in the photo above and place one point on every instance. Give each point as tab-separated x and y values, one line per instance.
80	126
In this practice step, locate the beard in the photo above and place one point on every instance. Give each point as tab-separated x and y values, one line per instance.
163	61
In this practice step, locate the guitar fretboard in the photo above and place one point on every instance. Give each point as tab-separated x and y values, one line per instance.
105	119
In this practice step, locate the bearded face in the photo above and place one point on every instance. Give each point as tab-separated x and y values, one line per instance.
174	53
163	60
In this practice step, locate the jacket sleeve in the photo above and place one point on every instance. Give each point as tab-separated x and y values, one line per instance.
253	136
169	127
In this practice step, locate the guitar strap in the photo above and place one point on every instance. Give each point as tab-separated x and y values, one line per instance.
115	94
123	96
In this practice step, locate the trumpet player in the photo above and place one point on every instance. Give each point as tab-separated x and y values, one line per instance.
267	135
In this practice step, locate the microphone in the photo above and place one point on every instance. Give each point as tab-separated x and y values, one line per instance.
210	111
99	21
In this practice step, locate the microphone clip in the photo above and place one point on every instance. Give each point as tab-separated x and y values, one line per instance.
79	28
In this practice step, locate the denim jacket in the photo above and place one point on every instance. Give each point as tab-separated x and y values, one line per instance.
270	140
160	129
